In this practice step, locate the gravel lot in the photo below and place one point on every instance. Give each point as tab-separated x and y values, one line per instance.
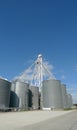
15	120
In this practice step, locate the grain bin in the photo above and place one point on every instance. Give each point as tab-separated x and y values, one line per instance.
33	97
19	95
4	93
52	94
69	101
64	97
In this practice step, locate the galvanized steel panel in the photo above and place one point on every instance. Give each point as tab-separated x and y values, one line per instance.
34	97
52	94
4	93
19	95
64	95
69	101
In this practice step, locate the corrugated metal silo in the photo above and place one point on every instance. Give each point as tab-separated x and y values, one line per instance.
64	97
4	93
14	99
69	101
34	97
19	95
52	94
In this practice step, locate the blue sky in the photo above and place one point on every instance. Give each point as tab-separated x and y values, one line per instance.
30	27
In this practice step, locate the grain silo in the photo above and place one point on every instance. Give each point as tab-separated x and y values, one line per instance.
4	93
64	95
69	101
33	97
19	95
14	99
52	94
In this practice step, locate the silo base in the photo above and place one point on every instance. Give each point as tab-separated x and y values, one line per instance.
46	109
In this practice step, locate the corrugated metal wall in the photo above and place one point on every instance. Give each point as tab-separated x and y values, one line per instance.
33	97
19	95
4	93
64	95
52	94
69	101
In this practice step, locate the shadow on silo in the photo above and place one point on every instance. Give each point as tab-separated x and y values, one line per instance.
30	99
14	100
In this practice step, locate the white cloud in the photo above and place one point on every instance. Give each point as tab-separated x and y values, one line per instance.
63	77
47	70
